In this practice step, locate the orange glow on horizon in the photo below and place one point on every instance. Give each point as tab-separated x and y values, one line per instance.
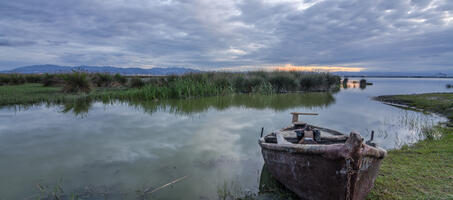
290	67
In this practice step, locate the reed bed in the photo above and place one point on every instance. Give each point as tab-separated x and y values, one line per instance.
212	84
95	79
107	87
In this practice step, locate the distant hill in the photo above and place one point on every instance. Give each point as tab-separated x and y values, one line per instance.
52	69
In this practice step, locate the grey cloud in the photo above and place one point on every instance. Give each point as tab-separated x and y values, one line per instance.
15	43
364	32
379	35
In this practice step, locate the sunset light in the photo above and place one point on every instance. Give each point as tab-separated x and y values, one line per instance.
290	67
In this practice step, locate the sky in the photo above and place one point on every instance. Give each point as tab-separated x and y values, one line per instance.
342	35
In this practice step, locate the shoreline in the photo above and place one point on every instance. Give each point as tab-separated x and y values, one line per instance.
422	170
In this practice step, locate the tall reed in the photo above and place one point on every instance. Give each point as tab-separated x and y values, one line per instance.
77	82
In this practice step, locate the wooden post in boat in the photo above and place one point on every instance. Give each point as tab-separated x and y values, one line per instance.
353	144
296	115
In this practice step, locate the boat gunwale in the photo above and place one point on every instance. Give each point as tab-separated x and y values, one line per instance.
334	151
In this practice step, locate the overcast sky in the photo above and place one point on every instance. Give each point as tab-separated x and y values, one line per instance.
378	35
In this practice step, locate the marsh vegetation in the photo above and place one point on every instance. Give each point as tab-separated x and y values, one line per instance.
116	87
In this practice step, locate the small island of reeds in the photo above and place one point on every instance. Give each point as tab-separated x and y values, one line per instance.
58	88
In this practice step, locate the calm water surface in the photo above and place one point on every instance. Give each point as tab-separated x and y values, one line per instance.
119	150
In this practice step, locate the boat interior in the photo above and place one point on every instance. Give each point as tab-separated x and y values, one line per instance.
302	133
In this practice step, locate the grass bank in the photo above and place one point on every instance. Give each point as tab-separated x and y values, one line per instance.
32	93
36	93
440	103
423	170
51	88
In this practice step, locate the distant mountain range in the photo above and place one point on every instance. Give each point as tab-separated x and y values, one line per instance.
51	69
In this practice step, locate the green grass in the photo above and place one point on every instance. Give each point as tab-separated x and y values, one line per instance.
35	93
32	93
423	170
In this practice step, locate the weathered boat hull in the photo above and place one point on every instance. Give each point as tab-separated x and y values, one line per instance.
322	171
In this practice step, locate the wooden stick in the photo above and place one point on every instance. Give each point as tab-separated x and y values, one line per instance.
164	186
296	115
301	113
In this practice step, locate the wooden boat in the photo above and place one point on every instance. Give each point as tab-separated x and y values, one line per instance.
326	165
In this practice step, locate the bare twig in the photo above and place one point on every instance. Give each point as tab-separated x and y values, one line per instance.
164	186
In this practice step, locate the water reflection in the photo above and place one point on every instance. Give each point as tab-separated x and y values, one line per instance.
121	149
256	101
270	187
78	107
197	105
412	124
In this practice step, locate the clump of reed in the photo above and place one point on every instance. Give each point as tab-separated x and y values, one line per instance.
101	79
233	190
221	83
17	79
177	87
137	82
52	79
431	132
345	82
120	79
282	81
97	79
362	83
77	82
318	81
84	82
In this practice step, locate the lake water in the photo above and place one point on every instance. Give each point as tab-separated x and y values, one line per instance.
208	145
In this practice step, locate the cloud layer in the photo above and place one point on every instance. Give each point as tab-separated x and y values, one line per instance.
378	35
